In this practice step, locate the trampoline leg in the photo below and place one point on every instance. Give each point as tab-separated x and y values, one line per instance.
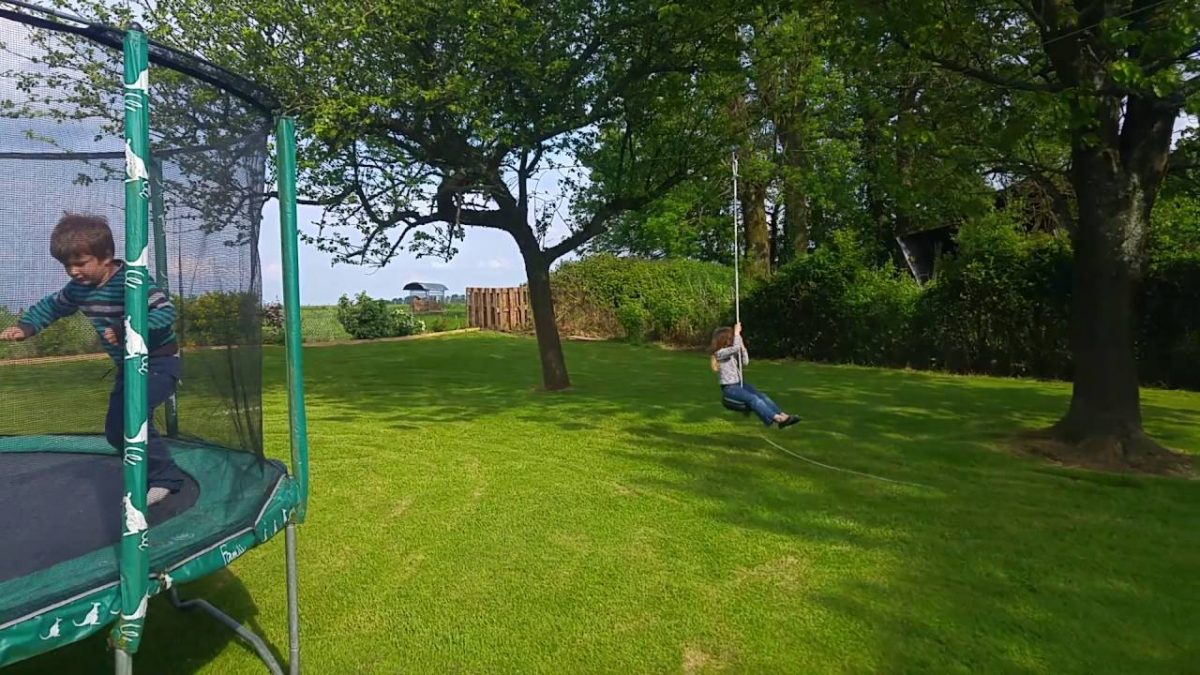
293	590
246	634
124	662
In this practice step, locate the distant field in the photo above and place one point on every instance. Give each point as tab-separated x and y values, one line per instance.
320	323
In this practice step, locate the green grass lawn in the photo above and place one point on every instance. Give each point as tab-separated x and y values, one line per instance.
464	521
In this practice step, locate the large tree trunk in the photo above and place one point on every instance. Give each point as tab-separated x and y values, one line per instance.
797	212
1105	399
758	231
775	225
541	303
797	222
875	192
1116	183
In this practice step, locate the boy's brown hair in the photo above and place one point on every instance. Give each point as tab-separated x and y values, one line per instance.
78	235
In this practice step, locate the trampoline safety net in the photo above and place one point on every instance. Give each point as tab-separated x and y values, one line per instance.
62	151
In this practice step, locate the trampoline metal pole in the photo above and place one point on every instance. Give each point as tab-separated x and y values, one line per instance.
298	421
293	591
124	663
256	643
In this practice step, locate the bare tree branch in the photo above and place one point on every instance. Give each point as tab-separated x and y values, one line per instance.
334	200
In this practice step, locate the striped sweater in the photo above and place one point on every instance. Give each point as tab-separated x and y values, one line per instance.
104	306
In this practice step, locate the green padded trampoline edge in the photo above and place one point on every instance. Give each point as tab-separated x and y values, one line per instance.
88	444
90	612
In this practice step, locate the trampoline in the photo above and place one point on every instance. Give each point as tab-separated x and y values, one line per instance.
172	151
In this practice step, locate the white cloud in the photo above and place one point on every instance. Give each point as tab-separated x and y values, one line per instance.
496	264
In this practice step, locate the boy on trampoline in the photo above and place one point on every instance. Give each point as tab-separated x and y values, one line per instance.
84	245
728	356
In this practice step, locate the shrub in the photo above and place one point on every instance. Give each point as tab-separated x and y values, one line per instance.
1184	362
634	319
1168	330
674	301
273	324
72	335
69	336
366	318
833	305
1000	305
219	318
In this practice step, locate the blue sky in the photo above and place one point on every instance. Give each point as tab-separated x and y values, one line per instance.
486	258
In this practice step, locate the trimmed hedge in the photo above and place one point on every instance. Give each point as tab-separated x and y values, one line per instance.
999	306
833	306
672	301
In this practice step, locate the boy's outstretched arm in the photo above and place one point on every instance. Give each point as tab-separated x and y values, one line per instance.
162	311
47	310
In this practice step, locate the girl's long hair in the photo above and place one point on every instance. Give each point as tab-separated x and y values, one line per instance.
722	338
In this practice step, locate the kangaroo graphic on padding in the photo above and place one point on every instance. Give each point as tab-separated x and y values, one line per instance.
55	631
135	275
133	100
132	631
92	618
139	613
135	521
135	168
135	344
135	455
142	83
135	347
141	436
143	259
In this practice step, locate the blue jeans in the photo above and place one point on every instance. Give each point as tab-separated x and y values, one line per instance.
161	470
760	403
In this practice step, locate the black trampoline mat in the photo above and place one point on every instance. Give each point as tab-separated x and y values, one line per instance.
57	506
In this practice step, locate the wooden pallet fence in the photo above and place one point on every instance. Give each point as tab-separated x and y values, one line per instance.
499	309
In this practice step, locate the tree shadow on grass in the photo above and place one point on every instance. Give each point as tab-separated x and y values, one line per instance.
176	642
993	569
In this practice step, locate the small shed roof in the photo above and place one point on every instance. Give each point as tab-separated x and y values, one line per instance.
425	286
